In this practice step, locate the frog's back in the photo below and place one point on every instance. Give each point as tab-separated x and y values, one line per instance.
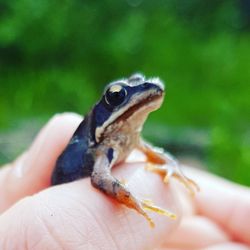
76	161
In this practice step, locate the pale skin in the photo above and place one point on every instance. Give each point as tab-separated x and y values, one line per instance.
78	216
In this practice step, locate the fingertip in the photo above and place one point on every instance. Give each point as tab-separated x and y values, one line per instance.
196	232
224	202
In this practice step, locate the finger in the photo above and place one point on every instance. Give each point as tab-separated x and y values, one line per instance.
78	216
196	232
226	203
31	172
223	246
228	246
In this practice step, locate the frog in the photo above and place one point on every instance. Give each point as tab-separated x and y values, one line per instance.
109	133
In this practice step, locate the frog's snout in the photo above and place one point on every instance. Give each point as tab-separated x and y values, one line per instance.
147	85
156	89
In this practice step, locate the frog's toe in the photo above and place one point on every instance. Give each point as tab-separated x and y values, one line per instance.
148	218
189	184
168	173
169	170
159	169
149	205
140	208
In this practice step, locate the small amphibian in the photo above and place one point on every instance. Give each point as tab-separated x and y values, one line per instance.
108	134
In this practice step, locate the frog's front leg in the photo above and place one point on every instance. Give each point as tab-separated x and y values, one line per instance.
102	179
166	165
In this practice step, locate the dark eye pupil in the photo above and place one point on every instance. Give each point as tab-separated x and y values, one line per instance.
115	97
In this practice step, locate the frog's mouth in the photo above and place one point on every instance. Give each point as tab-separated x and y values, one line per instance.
151	102
138	109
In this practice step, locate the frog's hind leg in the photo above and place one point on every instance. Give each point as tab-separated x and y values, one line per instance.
102	179
165	165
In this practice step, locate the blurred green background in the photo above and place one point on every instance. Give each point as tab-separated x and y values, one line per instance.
57	56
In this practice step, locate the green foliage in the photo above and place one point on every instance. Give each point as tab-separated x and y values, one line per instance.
56	56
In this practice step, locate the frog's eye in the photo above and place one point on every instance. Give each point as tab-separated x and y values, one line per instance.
115	95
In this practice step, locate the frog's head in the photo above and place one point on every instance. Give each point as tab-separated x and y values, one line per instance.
127	100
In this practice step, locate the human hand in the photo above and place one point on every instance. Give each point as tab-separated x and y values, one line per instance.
77	216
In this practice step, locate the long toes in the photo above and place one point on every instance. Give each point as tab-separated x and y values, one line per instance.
194	184
142	212
166	179
168	174
189	184
148	205
151	222
149	167
138	206
171	170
